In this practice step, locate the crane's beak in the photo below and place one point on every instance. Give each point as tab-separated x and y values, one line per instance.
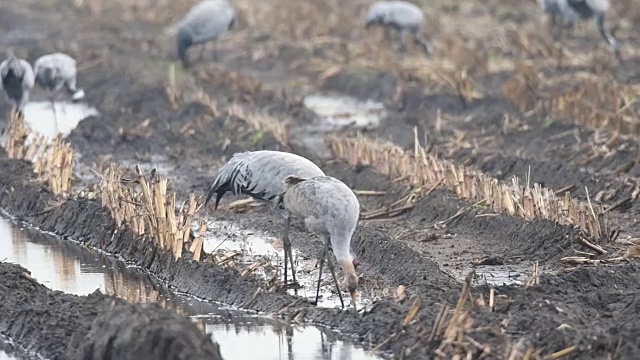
353	298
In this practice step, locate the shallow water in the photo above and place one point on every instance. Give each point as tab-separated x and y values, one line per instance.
225	237
344	111
5	356
40	117
63	265
335	113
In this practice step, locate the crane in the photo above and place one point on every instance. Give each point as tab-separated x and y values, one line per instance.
205	22
54	71
330	210
571	10
17	81
261	175
404	17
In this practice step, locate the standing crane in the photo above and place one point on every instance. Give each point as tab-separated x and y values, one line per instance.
17	81
330	210
571	10
405	17
261	175
205	22
54	71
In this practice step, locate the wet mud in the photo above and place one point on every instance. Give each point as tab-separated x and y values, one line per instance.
60	326
593	308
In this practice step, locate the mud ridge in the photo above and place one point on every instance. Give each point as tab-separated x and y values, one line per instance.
62	326
78	219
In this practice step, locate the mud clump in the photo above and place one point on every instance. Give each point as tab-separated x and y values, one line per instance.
134	332
62	326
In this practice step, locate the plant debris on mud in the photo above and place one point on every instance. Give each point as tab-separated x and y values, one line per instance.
509	152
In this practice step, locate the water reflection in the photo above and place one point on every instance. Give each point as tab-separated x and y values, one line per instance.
247	246
40	117
63	265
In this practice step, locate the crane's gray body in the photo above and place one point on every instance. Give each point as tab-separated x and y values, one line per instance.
57	70
17	81
403	16
206	21
260	174
329	209
570	11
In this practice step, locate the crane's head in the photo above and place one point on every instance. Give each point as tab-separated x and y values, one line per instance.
183	42
372	20
349	269
352	285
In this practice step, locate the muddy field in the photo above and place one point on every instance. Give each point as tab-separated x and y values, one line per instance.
61	326
498	96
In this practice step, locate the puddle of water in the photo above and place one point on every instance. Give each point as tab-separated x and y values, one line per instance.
499	275
39	116
225	237
154	161
271	343
343	111
55	265
63	265
5	356
335	113
495	275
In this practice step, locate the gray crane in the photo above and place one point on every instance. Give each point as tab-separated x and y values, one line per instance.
260	174
402	16
569	11
55	71
330	210
205	22
17	81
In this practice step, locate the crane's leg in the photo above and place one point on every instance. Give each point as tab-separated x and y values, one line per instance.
288	254
553	26
403	41
606	34
335	279
325	255
387	34
423	43
55	114
202	48
215	51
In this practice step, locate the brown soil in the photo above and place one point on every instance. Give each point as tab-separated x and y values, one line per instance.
61	326
593	308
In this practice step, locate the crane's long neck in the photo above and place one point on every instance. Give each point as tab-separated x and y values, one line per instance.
341	246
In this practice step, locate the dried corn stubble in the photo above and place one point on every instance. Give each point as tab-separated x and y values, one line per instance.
594	102
53	160
597	103
148	210
262	122
425	171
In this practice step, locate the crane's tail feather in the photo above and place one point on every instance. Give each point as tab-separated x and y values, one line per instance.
227	179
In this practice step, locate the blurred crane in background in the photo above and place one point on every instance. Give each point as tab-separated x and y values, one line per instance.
205	22
402	16
55	71
569	11
17	81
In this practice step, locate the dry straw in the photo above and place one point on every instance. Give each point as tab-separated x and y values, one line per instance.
53	160
262	121
425	171
588	100
148	210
